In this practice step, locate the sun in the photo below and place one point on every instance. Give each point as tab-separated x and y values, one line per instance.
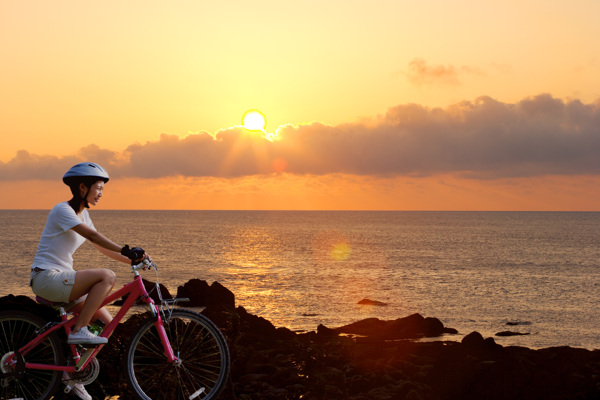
254	120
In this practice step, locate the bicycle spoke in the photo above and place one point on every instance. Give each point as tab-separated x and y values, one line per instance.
18	328
28	390
151	345
200	348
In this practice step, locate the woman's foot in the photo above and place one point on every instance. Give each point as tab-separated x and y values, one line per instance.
76	388
84	336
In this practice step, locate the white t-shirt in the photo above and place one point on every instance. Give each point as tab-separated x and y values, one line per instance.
59	241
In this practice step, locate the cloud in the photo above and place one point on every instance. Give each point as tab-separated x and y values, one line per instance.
27	166
419	73
30	166
480	139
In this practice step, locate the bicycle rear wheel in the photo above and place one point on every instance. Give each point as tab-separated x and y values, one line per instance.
18	328
196	342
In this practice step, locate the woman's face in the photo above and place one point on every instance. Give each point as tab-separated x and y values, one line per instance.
95	193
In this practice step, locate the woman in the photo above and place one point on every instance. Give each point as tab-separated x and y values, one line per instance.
67	227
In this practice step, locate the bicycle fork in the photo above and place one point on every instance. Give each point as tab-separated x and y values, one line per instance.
162	333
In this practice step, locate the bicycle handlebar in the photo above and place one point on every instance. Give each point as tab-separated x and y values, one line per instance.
144	264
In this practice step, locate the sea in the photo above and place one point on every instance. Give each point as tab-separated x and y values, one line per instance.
533	273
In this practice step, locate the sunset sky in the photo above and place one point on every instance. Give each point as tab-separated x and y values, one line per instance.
370	105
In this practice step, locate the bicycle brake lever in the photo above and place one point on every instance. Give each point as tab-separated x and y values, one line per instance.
144	264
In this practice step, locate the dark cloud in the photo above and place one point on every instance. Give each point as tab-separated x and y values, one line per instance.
483	139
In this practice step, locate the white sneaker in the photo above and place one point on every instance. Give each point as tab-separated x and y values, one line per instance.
77	388
84	336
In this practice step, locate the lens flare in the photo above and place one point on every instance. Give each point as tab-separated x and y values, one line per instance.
340	251
279	165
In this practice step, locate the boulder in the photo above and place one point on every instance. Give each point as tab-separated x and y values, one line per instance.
196	290
510	333
412	327
473	340
220	295
151	289
12	302
369	302
201	294
325	331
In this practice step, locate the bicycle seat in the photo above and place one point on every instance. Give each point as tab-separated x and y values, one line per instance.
55	304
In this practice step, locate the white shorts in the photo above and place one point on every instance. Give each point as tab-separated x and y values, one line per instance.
53	284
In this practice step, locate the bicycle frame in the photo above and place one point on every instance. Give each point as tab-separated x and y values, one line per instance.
135	291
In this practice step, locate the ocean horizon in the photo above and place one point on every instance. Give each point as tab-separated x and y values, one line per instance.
531	272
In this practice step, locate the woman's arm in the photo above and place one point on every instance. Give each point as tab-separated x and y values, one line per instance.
112	254
101	242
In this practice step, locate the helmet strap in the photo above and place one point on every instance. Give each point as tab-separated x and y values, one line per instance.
84	197
85	202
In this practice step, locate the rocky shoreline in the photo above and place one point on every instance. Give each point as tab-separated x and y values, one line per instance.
370	359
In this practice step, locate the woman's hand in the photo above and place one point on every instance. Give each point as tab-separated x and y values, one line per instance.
135	254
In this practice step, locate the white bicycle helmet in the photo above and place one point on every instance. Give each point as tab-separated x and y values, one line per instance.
85	170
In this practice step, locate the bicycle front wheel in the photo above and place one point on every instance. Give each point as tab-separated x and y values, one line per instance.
17	328
203	366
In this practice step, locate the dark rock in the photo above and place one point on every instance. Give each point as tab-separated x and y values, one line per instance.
432	327
12	302
411	327
151	289
365	327
196	290
323	330
283	332
369	302
252	378
275	363
201	294
219	294
473	339
510	333
255	326
490	344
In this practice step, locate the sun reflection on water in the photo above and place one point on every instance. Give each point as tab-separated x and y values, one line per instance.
251	250
270	274
251	255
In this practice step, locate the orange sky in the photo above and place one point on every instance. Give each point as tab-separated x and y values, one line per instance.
442	105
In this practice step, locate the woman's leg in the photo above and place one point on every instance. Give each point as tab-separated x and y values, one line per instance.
102	314
97	283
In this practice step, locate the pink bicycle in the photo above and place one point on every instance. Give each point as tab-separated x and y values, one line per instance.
175	353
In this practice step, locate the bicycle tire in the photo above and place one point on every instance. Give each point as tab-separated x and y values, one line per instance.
199	345
17	328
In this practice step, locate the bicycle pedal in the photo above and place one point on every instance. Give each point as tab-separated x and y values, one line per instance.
68	388
197	393
81	349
